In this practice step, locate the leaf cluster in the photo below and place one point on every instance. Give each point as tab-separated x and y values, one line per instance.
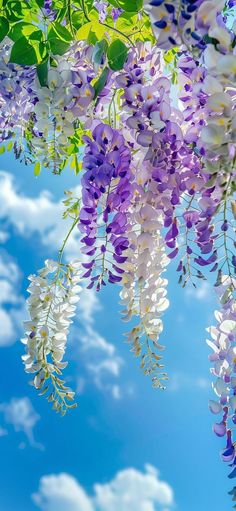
38	36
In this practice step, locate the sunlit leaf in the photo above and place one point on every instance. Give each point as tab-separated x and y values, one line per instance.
24	53
4	27
127	5
101	82
42	73
117	55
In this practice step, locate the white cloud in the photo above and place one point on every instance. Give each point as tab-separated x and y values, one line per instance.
8	268
89	305
101	359
130	490
202	292
61	493
116	392
100	356
41	215
11	314
7	331
20	414
92	339
4	236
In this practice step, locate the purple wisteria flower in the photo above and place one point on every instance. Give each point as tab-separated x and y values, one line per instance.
106	192
101	7
116	12
48	10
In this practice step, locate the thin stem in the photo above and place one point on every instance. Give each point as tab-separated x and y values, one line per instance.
84	10
66	239
70	18
120	33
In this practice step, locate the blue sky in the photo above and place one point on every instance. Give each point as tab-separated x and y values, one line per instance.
126	446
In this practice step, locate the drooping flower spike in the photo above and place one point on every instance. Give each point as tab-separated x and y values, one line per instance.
106	192
53	295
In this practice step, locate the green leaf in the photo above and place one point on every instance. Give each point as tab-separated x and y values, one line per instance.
101	82
23	53
2	149
95	27
78	19
37	169
21	29
58	47
37	35
117	55
16	10
42	73
128	5
83	31
92	38
89	4
76	165
61	32
59	39
4	27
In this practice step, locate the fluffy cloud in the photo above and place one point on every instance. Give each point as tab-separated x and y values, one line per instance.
61	493
11	302
20	414
89	306
129	490
41	215
100	357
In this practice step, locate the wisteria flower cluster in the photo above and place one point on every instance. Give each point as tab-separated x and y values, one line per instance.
53	295
139	97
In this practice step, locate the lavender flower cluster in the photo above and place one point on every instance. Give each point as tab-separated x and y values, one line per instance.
106	192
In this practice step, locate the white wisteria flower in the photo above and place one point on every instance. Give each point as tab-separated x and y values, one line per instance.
52	303
144	289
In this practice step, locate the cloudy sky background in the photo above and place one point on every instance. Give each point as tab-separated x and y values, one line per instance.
126	447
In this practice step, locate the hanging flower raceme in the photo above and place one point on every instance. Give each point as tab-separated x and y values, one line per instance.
223	344
53	295
144	292
146	98
16	98
106	193
62	106
207	106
